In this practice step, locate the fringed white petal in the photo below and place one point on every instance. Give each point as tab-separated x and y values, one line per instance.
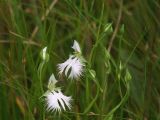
72	67
62	66
76	69
56	101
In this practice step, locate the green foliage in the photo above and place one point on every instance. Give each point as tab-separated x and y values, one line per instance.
118	83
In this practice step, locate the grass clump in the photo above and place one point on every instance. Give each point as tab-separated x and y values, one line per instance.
119	42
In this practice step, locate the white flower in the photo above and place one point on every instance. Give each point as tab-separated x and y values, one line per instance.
76	46
44	51
56	101
72	67
44	55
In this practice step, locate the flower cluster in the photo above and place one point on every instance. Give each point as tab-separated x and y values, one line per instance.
72	68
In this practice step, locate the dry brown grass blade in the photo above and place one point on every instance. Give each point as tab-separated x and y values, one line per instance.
117	26
35	30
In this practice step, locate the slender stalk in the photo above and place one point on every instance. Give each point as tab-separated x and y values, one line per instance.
117	26
77	98
40	71
87	91
110	114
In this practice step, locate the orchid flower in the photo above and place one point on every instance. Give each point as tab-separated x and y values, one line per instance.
54	98
73	67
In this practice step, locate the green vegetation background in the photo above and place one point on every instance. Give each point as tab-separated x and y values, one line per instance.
26	26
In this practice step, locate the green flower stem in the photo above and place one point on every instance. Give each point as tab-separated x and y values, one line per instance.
123	100
105	87
87	90
92	102
119	86
40	70
77	98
